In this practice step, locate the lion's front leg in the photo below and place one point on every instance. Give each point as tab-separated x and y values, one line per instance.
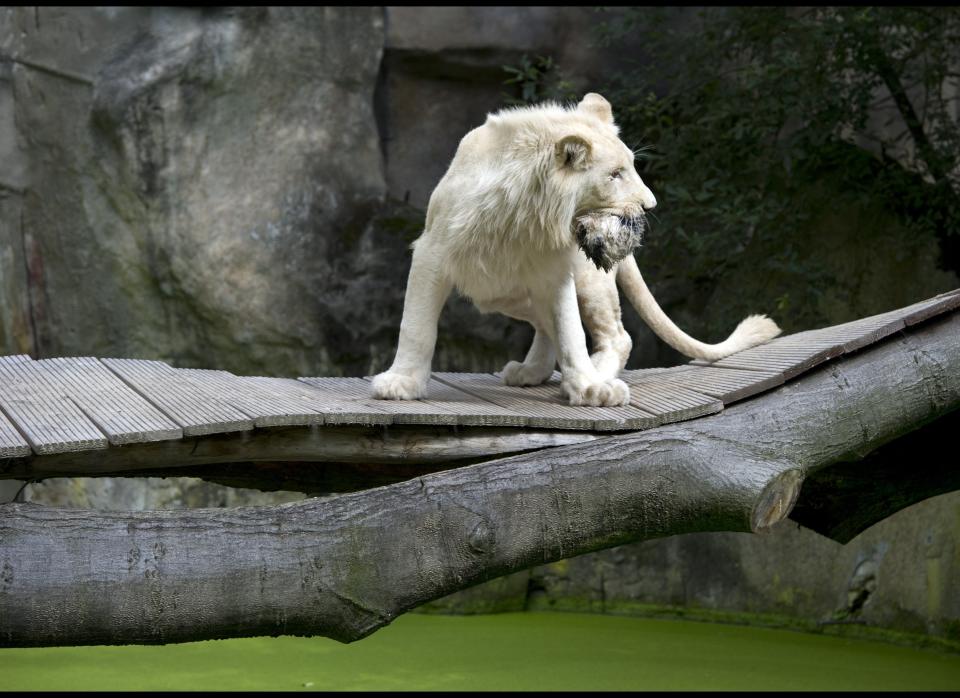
427	291
582	384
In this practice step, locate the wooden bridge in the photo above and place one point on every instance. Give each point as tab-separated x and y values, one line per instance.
581	478
86	405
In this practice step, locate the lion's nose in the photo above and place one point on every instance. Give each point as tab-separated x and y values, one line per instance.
647	199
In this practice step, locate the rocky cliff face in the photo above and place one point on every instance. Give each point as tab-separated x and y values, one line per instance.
238	188
443	72
183	170
900	573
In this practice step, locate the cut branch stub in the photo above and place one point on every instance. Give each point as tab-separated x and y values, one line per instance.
777	499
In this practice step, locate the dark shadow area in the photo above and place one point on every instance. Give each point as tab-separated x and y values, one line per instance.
846	498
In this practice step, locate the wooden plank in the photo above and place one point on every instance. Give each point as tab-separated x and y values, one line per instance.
355	392
119	411
471	410
407	411
669	400
539	409
42	413
12	443
335	410
861	333
266	407
543	405
443	406
936	306
352	395
726	384
790	361
612	418
850	336
196	411
813	339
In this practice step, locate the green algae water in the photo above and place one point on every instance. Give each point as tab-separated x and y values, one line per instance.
512	651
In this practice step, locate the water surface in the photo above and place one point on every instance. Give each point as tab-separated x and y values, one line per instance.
512	651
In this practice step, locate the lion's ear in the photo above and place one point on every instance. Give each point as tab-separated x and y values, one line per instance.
598	106
573	151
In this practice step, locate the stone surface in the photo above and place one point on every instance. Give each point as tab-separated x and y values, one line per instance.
443	72
901	573
179	202
146	494
16	336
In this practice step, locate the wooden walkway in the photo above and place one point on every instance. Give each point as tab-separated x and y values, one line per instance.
66	405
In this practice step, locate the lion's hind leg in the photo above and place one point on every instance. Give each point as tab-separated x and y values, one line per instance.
599	303
582	383
538	365
541	358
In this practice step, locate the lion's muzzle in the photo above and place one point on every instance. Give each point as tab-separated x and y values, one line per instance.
606	238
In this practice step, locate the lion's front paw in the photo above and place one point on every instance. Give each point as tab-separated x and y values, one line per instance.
609	393
516	373
397	386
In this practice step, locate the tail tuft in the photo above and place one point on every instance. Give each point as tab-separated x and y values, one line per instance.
754	330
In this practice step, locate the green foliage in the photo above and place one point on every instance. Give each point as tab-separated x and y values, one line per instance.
761	118
536	80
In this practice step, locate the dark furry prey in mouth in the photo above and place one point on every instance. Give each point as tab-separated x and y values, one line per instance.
607	239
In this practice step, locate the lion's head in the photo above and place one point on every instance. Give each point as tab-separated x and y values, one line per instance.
600	164
598	168
523	179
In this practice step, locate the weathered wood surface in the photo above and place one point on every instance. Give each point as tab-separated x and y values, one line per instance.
345	566
12	444
75	405
331	443
184	400
266	406
47	418
342	404
118	411
543	406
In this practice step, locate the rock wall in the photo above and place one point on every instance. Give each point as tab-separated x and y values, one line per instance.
182	169
238	188
902	573
443	72
16	334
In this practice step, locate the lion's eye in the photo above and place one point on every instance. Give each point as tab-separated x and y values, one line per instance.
616	174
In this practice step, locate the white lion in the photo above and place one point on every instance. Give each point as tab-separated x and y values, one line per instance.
502	227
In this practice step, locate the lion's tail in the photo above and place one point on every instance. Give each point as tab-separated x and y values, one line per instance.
754	330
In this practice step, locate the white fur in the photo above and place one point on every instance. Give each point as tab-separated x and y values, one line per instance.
499	228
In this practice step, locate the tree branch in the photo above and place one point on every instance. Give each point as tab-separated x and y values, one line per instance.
891	80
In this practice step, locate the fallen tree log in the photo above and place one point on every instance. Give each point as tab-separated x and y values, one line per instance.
847	498
345	566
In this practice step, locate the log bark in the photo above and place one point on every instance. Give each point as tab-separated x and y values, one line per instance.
848	497
401	444
347	565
